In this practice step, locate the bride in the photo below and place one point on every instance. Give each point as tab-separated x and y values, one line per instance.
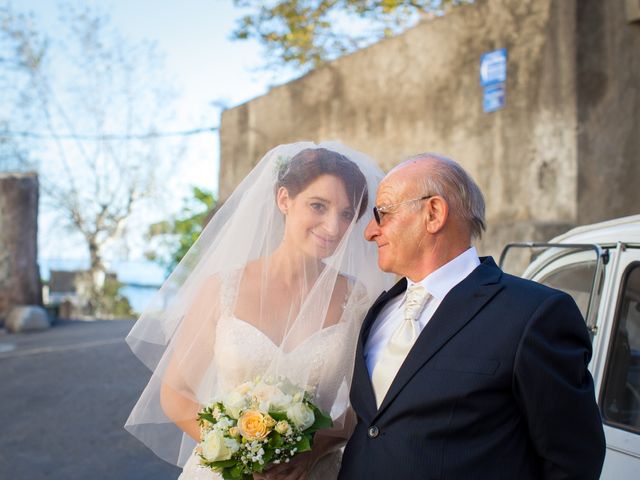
276	285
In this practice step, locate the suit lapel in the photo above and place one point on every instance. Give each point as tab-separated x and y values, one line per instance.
362	394
456	310
372	314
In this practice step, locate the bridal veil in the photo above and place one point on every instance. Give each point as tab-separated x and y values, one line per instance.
175	337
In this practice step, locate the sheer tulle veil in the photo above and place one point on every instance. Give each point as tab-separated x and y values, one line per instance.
175	337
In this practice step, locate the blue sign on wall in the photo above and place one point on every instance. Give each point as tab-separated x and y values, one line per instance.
493	67
493	77
494	97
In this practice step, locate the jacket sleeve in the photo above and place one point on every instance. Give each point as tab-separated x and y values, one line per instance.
555	391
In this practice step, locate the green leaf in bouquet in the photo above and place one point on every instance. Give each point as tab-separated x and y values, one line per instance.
236	473
276	440
257	467
268	456
207	416
304	445
224	463
278	416
322	420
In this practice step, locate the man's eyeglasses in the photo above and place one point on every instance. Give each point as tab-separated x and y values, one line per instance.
379	212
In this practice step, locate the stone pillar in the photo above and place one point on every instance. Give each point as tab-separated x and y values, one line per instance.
19	275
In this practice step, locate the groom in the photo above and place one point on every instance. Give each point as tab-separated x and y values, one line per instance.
462	371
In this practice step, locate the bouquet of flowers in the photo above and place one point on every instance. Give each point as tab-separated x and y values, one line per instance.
256	424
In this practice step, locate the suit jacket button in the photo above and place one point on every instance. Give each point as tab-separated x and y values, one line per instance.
373	431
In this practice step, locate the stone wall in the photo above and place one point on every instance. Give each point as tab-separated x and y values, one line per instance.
608	86
420	92
19	276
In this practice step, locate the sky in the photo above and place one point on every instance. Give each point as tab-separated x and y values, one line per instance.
203	63
207	69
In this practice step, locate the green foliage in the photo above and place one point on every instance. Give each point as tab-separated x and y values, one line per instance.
322	420
111	302
307	33
304	445
177	235
103	299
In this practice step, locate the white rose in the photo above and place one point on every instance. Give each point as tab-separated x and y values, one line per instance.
301	415
234	403
244	388
271	398
281	402
214	447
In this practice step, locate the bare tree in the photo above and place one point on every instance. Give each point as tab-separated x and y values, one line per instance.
20	42
95	100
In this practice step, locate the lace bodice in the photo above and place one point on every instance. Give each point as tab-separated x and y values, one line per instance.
243	352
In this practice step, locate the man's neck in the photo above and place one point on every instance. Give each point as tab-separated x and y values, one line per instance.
434	260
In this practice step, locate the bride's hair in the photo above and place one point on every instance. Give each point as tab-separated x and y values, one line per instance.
307	165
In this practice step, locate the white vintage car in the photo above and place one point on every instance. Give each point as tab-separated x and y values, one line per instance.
599	265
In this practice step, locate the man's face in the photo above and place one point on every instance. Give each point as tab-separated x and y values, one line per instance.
401	234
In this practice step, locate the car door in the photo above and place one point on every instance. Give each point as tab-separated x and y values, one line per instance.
618	372
605	283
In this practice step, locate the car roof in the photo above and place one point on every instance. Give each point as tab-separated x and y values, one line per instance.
623	229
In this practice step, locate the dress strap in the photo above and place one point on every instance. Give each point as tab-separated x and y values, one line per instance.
229	284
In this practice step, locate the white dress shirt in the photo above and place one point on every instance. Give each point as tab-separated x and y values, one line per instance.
437	283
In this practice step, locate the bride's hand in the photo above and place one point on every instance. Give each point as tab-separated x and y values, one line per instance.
298	469
300	465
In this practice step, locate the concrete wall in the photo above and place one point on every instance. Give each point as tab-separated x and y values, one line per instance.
608	86
420	92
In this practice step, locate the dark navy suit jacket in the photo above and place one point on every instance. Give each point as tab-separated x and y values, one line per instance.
495	387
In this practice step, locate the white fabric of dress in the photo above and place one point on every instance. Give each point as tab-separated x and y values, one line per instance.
244	352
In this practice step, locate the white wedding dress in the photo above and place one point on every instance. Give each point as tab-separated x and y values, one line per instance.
243	352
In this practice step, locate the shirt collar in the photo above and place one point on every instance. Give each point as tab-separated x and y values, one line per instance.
439	282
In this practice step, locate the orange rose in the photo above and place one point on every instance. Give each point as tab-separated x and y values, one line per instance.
253	425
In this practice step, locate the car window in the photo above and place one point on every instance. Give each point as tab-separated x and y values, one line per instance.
621	394
576	279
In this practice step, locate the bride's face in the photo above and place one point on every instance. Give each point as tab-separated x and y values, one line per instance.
318	217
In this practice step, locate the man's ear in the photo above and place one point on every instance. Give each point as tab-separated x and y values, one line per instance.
436	214
282	200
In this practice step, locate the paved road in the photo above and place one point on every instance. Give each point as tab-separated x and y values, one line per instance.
64	396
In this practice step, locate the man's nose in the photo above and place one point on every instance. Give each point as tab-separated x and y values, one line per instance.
372	230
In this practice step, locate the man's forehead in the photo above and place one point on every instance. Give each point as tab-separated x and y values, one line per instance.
403	179
394	186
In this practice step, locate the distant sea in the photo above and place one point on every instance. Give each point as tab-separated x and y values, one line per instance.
141	278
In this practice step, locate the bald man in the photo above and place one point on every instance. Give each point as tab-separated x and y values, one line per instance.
463	371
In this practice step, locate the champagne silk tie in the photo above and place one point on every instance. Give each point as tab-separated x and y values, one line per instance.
394	353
